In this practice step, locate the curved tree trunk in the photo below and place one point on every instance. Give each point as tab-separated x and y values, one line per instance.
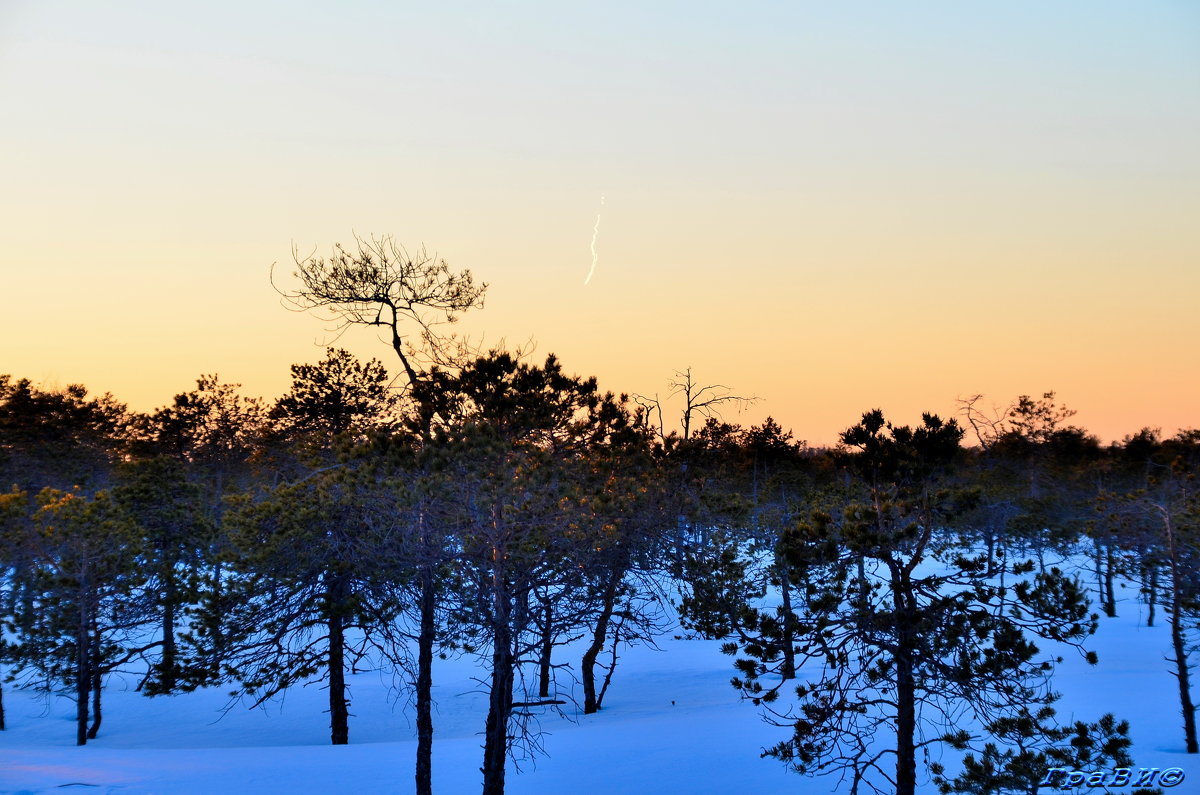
1181	672
97	715
587	668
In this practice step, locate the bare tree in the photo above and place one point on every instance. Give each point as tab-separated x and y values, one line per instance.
988	426
377	282
698	401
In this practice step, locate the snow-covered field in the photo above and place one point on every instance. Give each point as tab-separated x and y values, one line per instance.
671	723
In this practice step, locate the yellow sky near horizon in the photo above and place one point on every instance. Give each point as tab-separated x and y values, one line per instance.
832	208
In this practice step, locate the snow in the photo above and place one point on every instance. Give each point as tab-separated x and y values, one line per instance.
707	741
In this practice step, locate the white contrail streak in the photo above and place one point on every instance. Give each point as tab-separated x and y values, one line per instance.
595	232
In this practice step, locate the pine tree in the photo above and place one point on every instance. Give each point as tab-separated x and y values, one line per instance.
518	435
311	590
176	532
908	630
312	570
75	621
216	433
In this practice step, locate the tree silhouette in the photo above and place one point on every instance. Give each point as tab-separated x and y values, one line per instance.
907	650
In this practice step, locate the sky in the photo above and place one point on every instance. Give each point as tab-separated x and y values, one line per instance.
828	206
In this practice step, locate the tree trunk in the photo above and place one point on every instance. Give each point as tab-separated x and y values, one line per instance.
339	713
788	623
1178	642
680	545
97	715
862	612
219	643
1182	676
94	656
424	696
1099	566
2	726
83	674
547	648
1110	606
906	728
612	664
587	672
168	666
1152	595
495	749
906	690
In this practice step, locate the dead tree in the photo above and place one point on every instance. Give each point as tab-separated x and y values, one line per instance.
698	401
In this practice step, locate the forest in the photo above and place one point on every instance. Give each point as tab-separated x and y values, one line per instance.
878	598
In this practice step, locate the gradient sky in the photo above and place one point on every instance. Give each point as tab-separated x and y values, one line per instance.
831	206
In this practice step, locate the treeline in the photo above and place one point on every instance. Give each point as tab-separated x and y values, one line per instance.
881	598
886	597
222	540
506	508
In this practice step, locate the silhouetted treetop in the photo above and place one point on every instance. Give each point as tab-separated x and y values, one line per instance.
378	282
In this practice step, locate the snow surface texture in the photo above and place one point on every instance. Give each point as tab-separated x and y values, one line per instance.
705	742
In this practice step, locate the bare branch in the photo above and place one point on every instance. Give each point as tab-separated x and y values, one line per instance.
377	282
